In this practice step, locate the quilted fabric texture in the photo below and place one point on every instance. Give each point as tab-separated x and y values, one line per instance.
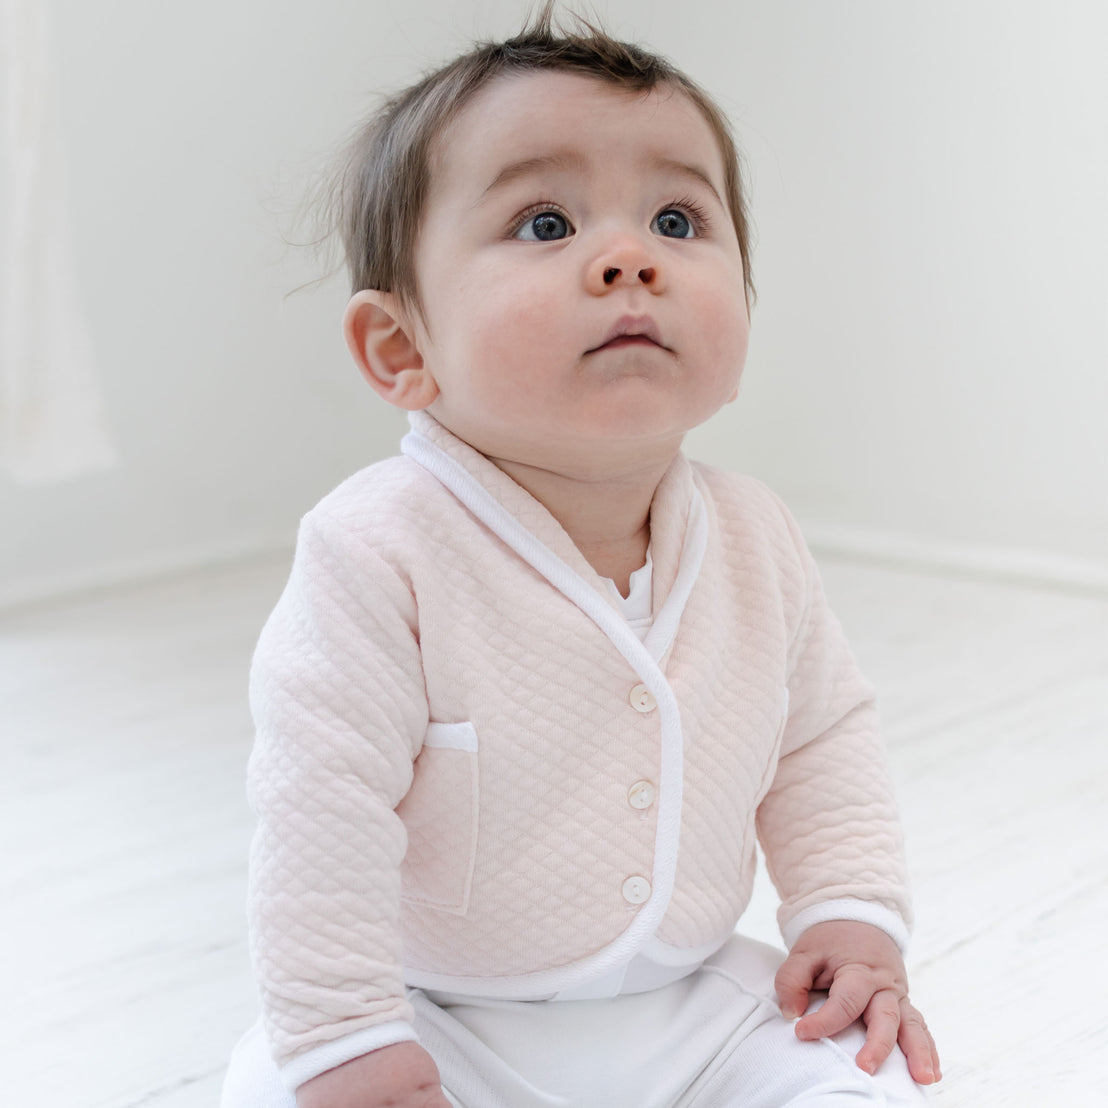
513	867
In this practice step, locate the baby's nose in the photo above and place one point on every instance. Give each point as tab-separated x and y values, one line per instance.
625	262
613	273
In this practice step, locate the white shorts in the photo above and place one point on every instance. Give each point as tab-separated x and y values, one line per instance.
713	1040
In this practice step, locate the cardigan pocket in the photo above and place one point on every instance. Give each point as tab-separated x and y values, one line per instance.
440	816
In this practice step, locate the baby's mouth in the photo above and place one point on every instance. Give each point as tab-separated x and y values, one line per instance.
631	331
627	340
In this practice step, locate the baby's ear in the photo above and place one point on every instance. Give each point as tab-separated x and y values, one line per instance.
379	336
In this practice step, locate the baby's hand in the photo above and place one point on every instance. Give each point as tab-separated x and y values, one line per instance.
863	969
400	1076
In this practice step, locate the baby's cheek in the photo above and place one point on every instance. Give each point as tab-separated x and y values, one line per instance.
518	327
726	327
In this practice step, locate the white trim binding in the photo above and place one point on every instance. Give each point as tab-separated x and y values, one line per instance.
846	908
327	1056
451	736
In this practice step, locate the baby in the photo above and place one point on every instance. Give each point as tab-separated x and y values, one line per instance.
536	687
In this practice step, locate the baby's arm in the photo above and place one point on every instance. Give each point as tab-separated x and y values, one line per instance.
340	708
400	1076
831	832
829	822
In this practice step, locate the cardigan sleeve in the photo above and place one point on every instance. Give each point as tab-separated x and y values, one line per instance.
829	824
340	711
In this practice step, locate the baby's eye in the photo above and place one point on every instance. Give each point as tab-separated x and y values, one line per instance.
674	224
544	227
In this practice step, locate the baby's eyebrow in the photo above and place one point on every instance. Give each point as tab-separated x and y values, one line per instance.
568	159
571	159
686	170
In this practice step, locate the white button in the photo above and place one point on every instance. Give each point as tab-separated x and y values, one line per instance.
641	795
636	890
642	699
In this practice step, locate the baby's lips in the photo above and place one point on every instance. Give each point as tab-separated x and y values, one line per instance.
629	340
631	329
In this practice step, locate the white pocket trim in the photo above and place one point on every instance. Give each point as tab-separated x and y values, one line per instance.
451	736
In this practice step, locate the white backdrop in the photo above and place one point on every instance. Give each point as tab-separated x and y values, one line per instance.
928	373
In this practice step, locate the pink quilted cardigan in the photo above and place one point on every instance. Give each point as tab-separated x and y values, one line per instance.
471	775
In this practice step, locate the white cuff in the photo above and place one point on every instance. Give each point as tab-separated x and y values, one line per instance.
326	1057
859	911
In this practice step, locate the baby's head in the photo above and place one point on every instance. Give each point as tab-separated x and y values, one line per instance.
547	242
383	184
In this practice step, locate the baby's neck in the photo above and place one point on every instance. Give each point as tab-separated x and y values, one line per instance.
618	560
607	518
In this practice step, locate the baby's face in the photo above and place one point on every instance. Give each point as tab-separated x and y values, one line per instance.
580	276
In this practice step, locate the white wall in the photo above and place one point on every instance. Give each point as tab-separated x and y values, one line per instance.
929	370
929	367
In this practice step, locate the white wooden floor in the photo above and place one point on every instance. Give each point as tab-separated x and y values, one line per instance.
125	733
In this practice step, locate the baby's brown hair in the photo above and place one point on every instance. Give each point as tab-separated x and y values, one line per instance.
380	189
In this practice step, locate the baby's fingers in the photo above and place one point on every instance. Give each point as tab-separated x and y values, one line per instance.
882	1017
918	1046
850	994
793	981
